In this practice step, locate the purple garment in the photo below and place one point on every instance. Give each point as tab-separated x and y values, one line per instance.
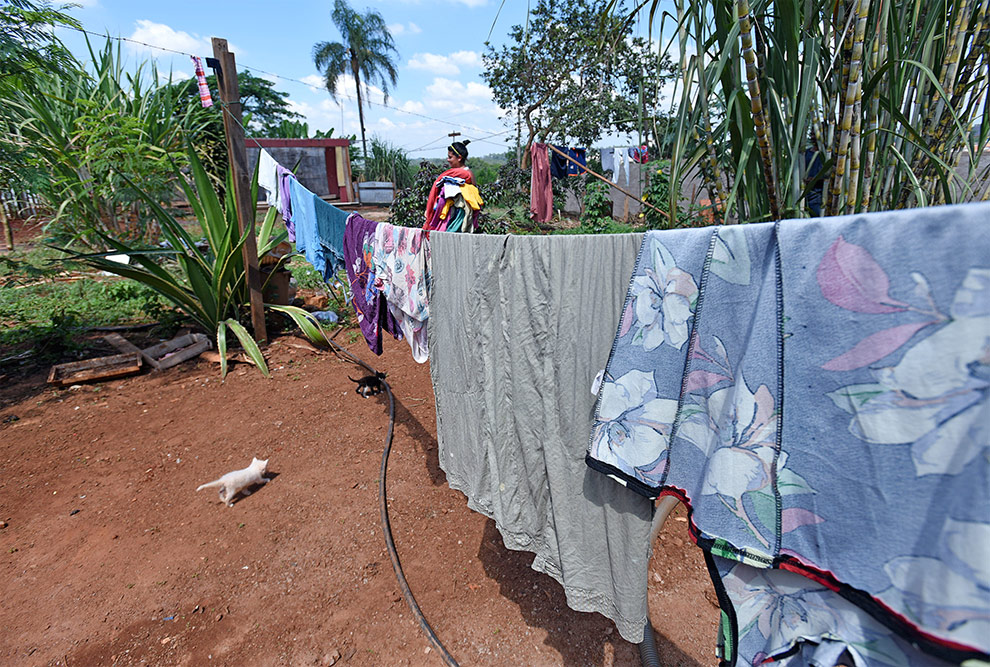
369	304
282	177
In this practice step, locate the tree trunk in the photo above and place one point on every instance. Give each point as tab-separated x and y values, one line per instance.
357	84
8	233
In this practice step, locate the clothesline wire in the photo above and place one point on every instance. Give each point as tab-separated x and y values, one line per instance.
280	76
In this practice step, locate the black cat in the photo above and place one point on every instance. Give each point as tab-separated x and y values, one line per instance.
369	385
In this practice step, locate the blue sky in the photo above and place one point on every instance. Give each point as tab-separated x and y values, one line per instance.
440	42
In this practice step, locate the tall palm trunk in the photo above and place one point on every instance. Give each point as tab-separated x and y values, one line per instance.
357	83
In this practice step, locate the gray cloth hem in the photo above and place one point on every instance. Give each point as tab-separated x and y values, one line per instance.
578	599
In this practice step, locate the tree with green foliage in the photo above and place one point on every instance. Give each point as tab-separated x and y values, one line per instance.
27	42
575	72
264	108
367	53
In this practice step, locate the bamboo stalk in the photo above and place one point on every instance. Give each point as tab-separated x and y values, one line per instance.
756	105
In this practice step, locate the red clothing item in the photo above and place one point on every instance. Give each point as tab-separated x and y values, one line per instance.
540	191
456	172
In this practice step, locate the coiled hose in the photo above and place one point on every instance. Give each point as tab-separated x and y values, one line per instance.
647	648
386	524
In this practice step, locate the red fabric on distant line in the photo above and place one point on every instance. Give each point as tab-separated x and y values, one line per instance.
541	194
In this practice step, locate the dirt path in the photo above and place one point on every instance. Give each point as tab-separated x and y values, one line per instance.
109	556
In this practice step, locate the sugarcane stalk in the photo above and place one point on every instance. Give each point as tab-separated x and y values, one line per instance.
834	189
756	105
872	122
853	89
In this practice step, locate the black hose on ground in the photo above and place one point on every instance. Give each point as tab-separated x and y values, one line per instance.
386	524
648	653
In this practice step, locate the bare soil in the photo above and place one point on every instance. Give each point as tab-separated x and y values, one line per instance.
108	556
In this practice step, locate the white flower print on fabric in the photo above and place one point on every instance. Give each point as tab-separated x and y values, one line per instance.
934	397
663	300
630	413
951	593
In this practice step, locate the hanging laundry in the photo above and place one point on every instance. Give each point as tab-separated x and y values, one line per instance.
713	395
580	155
330	224
372	312
780	617
268	176
639	154
462	173
401	259
517	323
304	219
283	179
540	190
558	163
621	165
608	160
204	89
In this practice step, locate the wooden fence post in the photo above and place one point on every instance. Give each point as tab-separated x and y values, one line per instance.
237	155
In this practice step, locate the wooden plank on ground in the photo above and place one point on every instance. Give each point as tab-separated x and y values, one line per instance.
199	344
99	368
127	346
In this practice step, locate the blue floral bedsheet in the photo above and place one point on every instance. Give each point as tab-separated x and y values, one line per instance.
817	392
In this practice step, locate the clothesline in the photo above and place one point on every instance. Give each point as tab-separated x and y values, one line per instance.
605	180
688	407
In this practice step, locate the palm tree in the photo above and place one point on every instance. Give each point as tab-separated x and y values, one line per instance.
366	54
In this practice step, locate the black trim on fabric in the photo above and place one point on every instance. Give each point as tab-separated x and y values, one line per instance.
778	445
692	342
725	604
630	482
905	630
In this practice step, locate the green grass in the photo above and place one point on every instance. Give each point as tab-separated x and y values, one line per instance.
40	308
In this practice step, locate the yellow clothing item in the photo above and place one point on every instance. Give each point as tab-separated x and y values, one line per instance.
446	208
472	196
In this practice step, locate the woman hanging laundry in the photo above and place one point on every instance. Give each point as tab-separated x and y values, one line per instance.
454	201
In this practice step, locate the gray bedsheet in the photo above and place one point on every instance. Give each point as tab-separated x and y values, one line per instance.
519	327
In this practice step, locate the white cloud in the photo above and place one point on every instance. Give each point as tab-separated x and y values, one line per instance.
466	58
432	62
162	37
412	106
437	64
472	3
400	29
176	75
314	81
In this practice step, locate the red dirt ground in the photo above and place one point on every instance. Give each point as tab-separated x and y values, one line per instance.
109	556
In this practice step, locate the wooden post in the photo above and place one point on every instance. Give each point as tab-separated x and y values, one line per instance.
237	155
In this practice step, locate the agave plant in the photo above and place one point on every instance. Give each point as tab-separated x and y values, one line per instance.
207	283
890	97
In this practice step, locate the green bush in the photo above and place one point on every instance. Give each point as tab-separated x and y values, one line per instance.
409	205
597	215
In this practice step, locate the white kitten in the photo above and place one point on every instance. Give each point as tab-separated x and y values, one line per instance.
234	482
